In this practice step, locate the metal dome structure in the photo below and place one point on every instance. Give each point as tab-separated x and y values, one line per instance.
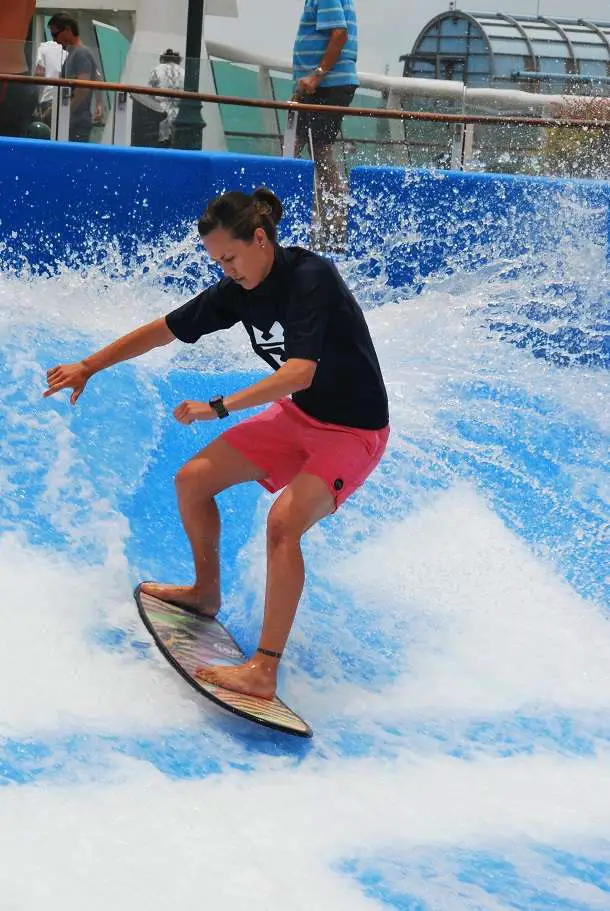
533	52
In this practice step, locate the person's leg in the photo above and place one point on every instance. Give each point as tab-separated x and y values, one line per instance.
80	133
330	196
330	179
215	468
305	501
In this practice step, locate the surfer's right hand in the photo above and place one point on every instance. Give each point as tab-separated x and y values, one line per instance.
67	376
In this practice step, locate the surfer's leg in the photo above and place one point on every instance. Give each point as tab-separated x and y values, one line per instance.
305	501
215	468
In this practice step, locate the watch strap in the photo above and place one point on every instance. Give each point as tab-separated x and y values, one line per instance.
217	403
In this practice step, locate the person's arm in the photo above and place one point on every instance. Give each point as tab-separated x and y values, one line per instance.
293	376
79	96
307	85
75	376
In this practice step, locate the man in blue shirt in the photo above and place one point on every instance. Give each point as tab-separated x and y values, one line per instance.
324	73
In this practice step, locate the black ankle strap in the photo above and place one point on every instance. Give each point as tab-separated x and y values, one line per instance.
269	653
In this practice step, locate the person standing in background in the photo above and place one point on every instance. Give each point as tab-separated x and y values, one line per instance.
49	62
169	74
17	100
78	64
324	73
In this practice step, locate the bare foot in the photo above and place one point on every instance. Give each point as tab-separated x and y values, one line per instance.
188	596
256	677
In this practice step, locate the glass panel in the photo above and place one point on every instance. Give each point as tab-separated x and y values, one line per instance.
554	49
552	65
517	46
423	68
477	81
363	127
250	145
477	46
427	46
506	66
592	53
504	31
593	68
452	46
282	91
113	49
479	64
457	26
232	79
583	37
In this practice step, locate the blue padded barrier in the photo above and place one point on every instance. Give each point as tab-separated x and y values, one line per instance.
443	222
62	203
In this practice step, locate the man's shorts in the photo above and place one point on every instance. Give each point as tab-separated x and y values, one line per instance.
324	127
283	441
17	103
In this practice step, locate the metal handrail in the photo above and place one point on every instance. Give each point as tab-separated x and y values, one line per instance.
297	106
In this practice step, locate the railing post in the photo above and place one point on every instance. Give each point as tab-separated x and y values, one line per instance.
121	133
397	127
290	136
63	120
468	146
270	115
461	146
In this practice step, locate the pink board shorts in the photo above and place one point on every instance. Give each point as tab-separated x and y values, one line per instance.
283	441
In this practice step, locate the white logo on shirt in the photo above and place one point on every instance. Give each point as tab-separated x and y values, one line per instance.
271	341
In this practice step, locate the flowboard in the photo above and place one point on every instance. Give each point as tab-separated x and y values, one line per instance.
190	641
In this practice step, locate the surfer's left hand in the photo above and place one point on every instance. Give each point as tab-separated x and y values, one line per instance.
189	411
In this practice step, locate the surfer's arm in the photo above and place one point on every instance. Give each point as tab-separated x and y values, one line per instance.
133	344
293	376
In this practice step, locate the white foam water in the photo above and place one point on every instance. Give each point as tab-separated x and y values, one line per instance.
451	650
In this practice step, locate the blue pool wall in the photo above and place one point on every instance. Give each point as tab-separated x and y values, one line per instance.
65	203
442	222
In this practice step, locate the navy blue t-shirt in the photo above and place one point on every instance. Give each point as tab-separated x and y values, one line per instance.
303	309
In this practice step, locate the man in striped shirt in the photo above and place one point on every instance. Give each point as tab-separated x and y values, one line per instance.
324	73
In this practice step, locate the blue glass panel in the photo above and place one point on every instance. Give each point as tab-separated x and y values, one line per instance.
478	82
593	68
553	49
506	66
584	52
423	68
450	45
582	34
504	31
516	46
477	46
451	26
427	46
552	65
479	64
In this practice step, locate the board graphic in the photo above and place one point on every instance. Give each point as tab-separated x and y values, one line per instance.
190	641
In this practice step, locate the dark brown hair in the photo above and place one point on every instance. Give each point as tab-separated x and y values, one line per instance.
64	20
242	213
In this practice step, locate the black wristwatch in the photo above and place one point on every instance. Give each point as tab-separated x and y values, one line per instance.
217	403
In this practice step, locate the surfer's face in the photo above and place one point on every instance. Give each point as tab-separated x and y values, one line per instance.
246	262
